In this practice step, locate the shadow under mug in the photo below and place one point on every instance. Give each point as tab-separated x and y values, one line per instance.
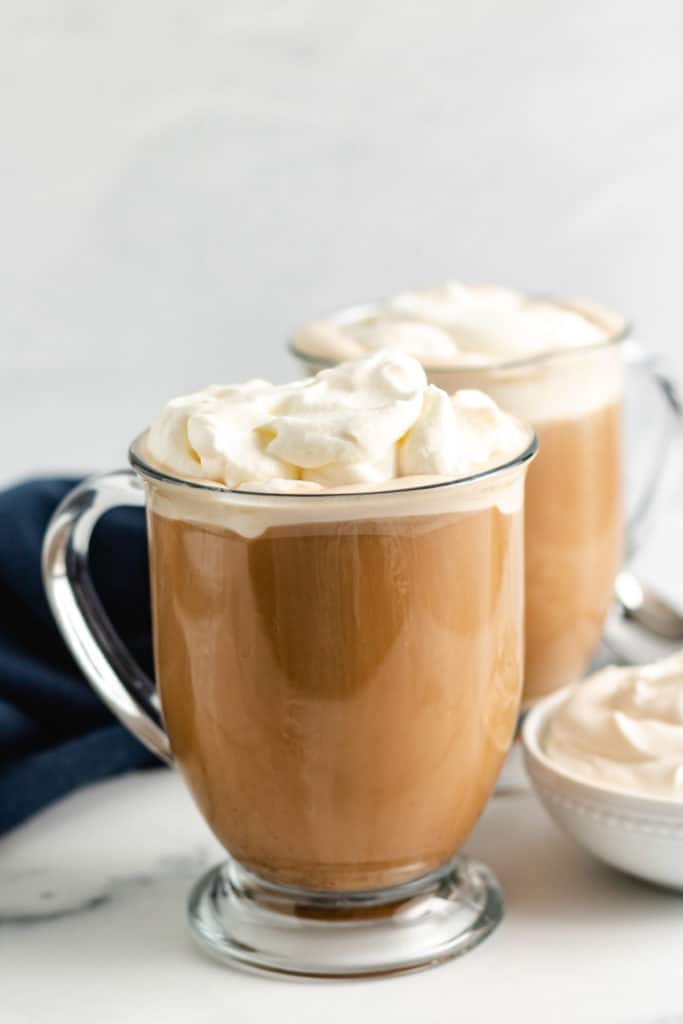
587	507
339	679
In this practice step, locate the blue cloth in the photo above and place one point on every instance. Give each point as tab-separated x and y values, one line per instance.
55	734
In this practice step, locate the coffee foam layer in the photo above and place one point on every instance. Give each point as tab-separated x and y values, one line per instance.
566	387
251	514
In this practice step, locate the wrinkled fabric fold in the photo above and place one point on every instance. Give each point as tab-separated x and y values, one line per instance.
55	733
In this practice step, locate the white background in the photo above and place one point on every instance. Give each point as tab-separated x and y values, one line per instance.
184	182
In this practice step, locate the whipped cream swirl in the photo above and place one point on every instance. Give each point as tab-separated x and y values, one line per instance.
357	425
459	325
623	728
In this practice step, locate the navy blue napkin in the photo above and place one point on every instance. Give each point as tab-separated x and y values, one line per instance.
55	734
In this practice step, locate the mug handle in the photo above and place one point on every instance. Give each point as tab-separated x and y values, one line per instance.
97	648
643	508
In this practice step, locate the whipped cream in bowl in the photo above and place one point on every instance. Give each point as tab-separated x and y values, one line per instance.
623	729
606	757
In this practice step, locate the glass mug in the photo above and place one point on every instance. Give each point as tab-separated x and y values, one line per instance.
339	679
580	520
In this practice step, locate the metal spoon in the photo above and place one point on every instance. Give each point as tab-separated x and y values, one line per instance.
641	625
643	605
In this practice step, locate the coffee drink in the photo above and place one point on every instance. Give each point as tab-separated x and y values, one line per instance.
574	530
558	366
340	696
337	579
338	616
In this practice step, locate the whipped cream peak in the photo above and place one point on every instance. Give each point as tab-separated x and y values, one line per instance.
360	423
432	343
458	324
623	728
449	304
218	434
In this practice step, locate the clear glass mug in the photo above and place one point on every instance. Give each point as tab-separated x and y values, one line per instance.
585	510
338	678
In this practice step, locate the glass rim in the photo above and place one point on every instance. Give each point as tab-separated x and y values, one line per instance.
363	311
141	466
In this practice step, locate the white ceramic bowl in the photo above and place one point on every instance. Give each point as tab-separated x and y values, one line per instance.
637	834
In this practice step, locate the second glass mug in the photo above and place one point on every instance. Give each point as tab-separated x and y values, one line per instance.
581	521
339	679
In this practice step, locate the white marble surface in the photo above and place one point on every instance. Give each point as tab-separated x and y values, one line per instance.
92	915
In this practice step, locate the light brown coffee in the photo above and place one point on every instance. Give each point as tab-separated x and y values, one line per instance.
574	536
340	696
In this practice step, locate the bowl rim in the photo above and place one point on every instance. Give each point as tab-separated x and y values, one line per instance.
621	800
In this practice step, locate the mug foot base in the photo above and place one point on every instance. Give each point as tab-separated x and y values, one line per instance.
242	920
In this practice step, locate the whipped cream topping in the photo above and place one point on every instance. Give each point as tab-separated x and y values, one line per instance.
623	728
355	426
458	325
